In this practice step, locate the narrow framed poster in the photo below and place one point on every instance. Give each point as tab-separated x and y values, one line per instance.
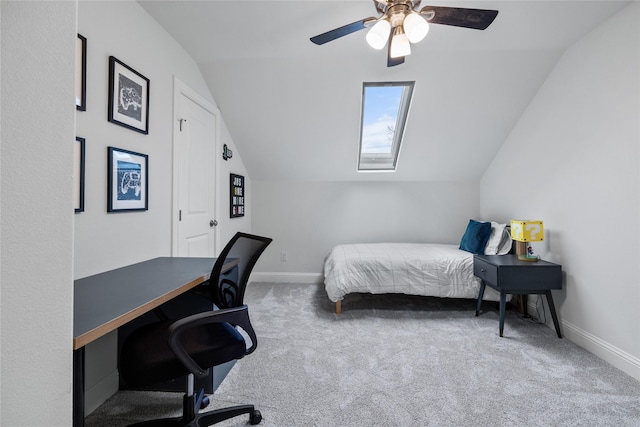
78	175
237	195
81	73
128	181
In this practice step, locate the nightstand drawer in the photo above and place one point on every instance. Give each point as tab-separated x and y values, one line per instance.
485	271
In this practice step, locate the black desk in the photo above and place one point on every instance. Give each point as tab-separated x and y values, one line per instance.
508	275
106	301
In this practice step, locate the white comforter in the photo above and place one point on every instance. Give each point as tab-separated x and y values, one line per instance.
408	268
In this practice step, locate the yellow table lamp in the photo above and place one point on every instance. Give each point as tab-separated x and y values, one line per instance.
524	232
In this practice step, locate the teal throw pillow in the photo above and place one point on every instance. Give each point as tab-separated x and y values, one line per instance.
476	236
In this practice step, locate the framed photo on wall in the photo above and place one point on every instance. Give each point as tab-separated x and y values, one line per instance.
81	73
128	181
237	195
78	175
128	97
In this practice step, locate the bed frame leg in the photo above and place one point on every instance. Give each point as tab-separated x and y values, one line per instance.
338	307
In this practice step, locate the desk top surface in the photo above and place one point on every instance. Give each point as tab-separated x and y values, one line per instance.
103	302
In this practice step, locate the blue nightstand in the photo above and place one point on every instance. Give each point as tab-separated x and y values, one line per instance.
508	275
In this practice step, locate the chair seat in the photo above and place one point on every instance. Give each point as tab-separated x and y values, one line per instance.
146	357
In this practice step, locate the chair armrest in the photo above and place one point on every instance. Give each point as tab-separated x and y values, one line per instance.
237	316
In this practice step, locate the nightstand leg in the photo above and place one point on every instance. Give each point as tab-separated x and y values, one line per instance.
552	309
480	295
503	303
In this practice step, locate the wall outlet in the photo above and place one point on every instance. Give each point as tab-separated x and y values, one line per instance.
283	256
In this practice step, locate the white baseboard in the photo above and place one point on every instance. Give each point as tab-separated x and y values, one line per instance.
315	278
100	392
611	354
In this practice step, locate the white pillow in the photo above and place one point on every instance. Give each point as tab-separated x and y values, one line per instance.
495	243
506	243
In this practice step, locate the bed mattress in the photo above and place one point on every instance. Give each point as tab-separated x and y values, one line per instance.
427	269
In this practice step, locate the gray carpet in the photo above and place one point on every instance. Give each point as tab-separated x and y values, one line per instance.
402	361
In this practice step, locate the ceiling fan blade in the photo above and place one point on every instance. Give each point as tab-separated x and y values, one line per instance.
342	31
477	19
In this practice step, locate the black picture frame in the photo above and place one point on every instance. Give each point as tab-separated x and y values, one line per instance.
236	201
128	97
81	73
127	181
78	174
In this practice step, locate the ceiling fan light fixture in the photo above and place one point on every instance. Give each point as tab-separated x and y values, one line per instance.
400	46
379	34
401	22
415	27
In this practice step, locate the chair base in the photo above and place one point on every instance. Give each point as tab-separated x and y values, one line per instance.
206	418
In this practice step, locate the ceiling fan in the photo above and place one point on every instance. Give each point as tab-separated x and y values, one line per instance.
401	23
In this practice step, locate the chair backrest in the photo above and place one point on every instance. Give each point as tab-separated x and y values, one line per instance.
227	288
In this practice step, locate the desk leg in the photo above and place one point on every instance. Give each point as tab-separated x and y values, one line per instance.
503	304
480	295
552	309
78	387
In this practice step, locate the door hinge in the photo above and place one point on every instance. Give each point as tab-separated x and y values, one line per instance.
180	215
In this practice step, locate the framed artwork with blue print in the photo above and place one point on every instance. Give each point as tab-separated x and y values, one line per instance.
128	181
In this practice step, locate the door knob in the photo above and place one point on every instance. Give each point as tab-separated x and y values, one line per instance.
213	223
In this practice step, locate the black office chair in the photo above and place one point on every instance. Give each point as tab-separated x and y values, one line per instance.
170	349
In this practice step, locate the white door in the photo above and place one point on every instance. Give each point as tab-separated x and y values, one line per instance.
195	138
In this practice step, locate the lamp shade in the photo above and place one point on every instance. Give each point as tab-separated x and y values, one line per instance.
399	44
527	230
415	27
379	34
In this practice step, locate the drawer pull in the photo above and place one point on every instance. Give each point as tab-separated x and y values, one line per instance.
482	270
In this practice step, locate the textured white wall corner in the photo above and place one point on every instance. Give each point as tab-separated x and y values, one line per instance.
36	225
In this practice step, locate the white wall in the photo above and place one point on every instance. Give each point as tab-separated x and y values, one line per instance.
573	161
104	241
37	211
306	219
123	29
228	226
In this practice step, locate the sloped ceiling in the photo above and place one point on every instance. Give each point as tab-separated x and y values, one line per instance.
293	108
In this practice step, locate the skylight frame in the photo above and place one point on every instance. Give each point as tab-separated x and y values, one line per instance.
385	162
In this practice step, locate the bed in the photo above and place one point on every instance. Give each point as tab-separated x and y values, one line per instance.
428	269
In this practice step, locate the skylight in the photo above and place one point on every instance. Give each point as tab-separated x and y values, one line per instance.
385	108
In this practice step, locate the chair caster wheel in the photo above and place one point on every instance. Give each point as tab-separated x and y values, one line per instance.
205	402
255	417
